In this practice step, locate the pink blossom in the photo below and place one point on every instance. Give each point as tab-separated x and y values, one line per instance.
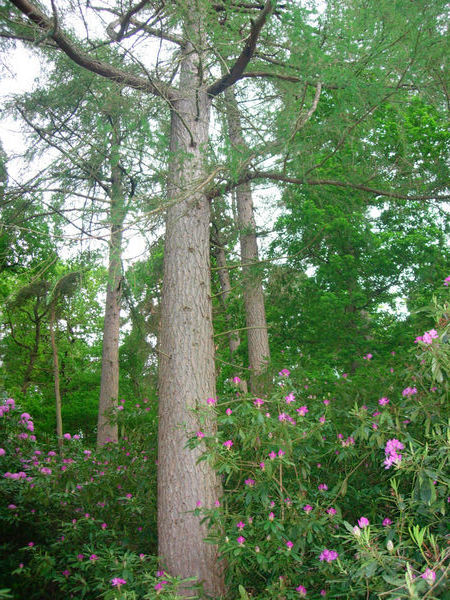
322	486
93	557
228	411
241	540
258	402
302	410
120	407
272	455
322	419
103	525
290	398
307	508
409	391
200	435
328	555
46	471
331	511
262	465
2	451
363	522
368	357
228	444
301	590
198	504
250	482
447	281
236	380
284	373
429	576
281	453
159	585
271	516
211	401
289	545
240	525
429	336
387	522
217	504
383	401
117	582
67	436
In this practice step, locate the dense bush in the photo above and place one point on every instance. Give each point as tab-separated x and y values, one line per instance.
333	487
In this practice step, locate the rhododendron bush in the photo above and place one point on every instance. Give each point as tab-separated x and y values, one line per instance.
334	488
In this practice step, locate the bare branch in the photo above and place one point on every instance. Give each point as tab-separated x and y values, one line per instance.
81	58
245	56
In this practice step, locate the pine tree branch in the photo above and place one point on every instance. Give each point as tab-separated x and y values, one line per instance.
48	26
245	56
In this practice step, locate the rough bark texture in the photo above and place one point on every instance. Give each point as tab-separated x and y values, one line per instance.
109	385
255	313
59	429
186	350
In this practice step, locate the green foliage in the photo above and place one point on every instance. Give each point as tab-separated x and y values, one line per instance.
298	482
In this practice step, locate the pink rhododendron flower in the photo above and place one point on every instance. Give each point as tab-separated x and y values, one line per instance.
328	555
429	576
409	391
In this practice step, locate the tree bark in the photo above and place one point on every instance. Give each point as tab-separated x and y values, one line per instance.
109	385
59	428
186	349
255	313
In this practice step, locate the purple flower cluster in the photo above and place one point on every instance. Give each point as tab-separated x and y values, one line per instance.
392	456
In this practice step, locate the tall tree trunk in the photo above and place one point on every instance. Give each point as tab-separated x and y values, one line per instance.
234	340
34	350
186	349
59	429
255	313
109	385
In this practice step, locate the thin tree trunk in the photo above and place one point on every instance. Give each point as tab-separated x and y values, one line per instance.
234	340
59	429
255	313
186	349
34	350
109	386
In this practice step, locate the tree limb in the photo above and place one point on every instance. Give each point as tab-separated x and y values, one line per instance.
81	58
245	56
